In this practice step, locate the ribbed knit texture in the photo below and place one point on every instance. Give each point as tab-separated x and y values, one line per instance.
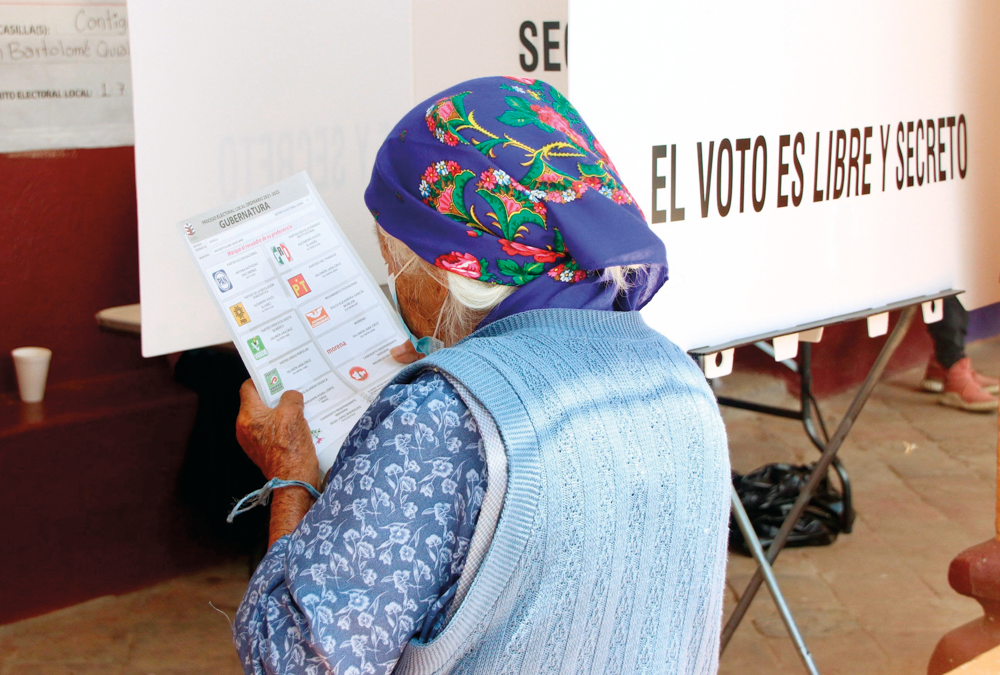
609	556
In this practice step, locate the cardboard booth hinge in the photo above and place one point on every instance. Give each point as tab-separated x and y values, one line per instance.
933	310
814	335
878	324
786	347
718	364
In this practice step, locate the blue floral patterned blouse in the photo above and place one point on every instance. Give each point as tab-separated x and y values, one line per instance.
377	558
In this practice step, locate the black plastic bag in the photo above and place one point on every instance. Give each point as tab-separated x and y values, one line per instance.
768	494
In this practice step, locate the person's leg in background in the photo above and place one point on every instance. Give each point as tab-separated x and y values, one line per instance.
950	370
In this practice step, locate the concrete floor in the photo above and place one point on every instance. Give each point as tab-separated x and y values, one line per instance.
876	601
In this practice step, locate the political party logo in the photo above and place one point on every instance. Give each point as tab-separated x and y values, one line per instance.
222	279
189	229
317	317
257	347
281	254
317	439
358	374
240	314
273	379
299	285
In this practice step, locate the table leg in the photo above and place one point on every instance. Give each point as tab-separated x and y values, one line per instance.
746	527
820	470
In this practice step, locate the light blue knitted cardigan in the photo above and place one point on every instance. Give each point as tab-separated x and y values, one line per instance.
609	555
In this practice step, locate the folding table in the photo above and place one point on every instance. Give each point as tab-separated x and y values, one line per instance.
717	361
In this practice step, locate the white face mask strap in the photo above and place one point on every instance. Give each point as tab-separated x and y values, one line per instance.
405	265
438	324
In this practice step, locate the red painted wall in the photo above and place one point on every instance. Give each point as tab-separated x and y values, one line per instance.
111	419
70	249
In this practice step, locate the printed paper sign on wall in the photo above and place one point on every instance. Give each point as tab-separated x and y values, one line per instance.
65	75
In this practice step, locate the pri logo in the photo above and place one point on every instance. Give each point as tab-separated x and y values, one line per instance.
358	374
240	314
257	347
317	317
274	384
222	279
299	285
189	229
281	254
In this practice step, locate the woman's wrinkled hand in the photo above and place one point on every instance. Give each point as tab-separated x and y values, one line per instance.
277	439
406	353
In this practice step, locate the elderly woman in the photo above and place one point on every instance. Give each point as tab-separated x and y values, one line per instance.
547	492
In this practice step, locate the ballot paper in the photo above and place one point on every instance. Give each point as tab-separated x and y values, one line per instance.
303	311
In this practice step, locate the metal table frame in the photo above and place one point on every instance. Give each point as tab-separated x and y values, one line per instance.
828	457
811	418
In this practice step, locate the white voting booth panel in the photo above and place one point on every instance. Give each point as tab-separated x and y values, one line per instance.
655	80
519	37
232	97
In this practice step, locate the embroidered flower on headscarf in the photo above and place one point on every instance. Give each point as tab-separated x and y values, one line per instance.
460	263
548	175
549	116
621	197
568	273
487	180
438	118
512	205
445	203
446	110
539	254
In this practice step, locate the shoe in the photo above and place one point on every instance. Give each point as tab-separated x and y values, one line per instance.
935	375
961	390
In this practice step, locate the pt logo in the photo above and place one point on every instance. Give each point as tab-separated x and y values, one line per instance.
240	314
274	384
222	280
257	347
358	374
299	285
281	254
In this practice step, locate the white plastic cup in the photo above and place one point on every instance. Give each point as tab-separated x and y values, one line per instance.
32	367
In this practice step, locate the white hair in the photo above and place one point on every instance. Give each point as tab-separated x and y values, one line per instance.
469	301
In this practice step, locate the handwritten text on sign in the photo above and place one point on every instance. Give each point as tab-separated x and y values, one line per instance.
65	76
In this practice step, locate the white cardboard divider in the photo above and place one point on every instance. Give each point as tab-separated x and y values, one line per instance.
786	346
718	364
933	311
878	324
231	98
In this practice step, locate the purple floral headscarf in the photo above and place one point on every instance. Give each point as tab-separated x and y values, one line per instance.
499	179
